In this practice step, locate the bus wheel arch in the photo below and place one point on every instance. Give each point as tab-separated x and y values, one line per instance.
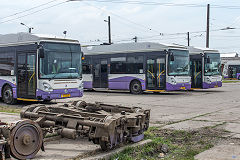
7	94
135	87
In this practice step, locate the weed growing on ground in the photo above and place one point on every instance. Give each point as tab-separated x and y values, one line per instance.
7	109
182	145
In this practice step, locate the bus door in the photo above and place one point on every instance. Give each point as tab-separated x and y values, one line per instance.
230	72
196	69
156	73
26	75
100	73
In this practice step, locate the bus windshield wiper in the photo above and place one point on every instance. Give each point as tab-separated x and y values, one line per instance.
53	76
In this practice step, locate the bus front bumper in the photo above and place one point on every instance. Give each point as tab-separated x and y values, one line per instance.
212	85
59	94
178	86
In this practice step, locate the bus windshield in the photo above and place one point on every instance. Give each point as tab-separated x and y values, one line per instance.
61	60
212	68
180	65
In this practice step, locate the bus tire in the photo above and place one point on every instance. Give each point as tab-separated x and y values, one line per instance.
7	95
135	87
238	77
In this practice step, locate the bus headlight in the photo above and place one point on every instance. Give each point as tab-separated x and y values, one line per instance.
208	80
173	81
81	85
47	87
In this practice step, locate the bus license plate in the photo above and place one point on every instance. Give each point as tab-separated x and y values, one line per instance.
65	95
183	88
216	86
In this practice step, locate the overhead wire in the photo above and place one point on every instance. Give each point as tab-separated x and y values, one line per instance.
121	17
29	9
33	12
163	4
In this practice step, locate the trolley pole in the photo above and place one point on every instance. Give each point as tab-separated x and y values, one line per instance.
207	32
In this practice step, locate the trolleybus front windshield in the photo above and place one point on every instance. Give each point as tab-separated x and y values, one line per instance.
180	65
212	68
61	60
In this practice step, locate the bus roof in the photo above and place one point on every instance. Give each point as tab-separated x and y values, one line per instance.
129	47
25	38
198	50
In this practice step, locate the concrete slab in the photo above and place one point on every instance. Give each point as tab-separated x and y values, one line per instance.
9	117
66	149
190	125
220	117
107	155
232	127
221	152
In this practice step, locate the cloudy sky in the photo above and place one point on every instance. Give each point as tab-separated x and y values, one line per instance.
146	19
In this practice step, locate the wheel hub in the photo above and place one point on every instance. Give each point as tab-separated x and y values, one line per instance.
7	94
135	87
26	139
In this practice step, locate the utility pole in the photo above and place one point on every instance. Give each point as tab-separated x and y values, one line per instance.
135	39
188	38
207	32
109	29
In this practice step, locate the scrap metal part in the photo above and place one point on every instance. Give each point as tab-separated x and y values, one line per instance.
107	125
21	140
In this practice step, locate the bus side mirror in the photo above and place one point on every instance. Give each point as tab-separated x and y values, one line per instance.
208	60
41	52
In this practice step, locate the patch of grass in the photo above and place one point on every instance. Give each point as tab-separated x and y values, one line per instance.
7	109
230	81
182	145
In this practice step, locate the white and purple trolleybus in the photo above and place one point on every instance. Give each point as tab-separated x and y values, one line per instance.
205	66
37	67
136	67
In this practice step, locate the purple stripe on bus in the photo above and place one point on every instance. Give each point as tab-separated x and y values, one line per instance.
238	74
3	82
56	94
87	84
125	79
178	86
212	85
123	83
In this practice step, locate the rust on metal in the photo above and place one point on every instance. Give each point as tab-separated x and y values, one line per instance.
21	140
104	124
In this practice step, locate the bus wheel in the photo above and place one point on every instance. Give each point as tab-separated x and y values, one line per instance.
7	95
136	87
238	77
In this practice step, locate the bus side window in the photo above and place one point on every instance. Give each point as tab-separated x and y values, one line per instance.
134	65
118	65
7	63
